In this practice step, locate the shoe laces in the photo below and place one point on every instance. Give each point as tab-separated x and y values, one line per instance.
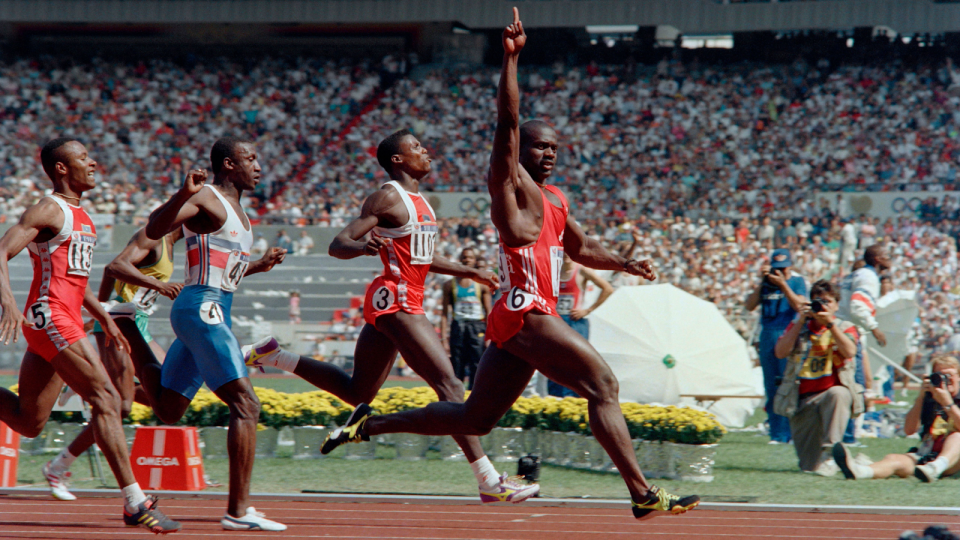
513	482
254	511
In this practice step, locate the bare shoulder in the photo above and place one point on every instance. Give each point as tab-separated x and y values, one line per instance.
46	214
382	200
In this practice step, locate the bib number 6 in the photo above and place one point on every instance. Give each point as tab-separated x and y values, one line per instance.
518	299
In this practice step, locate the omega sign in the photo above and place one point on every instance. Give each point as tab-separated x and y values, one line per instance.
166	461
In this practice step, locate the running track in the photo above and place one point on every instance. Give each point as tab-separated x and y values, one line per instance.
99	519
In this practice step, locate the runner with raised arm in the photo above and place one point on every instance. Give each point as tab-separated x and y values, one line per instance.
397	224
535	229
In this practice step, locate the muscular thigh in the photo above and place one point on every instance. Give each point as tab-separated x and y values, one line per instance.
118	365
80	367
39	386
500	379
562	355
372	359
416	338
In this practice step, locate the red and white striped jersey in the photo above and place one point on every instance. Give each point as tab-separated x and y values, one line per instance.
61	269
535	269
409	254
219	259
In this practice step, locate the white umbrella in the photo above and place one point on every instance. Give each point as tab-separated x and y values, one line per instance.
662	342
896	312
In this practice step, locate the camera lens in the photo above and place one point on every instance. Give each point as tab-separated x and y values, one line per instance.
936	379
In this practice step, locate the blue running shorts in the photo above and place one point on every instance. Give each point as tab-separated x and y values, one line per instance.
205	349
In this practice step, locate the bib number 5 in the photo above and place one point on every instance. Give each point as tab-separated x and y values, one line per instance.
39	314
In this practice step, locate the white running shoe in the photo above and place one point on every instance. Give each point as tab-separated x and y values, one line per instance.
253	521
254	354
58	483
927	473
509	489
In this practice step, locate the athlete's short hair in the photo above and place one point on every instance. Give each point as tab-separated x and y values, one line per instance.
529	130
390	147
225	147
51	154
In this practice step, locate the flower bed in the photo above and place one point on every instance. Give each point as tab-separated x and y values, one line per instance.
319	408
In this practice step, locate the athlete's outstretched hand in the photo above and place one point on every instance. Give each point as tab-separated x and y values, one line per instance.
513	36
642	268
488	278
374	245
10	323
171	290
195	181
271	258
113	333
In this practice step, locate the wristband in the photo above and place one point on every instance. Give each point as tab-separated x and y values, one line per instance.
829	326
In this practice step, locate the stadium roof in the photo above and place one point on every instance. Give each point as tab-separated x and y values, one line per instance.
690	16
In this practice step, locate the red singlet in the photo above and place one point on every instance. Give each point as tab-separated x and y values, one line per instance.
570	293
530	275
61	268
406	261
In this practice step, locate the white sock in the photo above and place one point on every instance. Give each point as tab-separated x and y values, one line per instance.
132	497
285	360
487	476
63	461
940	464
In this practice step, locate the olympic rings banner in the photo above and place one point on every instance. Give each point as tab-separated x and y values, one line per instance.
886	204
447	204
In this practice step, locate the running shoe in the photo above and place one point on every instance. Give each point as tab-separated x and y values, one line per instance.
927	473
58	483
353	432
253	355
661	501
148	517
852	468
253	521
510	489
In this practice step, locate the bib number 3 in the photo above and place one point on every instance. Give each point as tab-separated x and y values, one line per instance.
382	299
211	313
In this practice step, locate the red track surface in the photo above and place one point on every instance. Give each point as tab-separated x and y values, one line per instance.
99	519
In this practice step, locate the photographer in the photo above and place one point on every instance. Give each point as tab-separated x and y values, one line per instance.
781	296
818	393
936	412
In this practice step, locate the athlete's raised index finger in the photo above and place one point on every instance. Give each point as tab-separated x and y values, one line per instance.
516	15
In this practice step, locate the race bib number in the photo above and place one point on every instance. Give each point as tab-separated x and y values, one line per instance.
382	299
38	315
80	254
565	304
145	298
556	263
504	267
211	313
518	299
233	273
422	242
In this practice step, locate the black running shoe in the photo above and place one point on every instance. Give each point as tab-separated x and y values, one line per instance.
661	501
148	517
352	432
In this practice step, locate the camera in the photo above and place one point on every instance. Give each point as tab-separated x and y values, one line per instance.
766	278
936	379
816	306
